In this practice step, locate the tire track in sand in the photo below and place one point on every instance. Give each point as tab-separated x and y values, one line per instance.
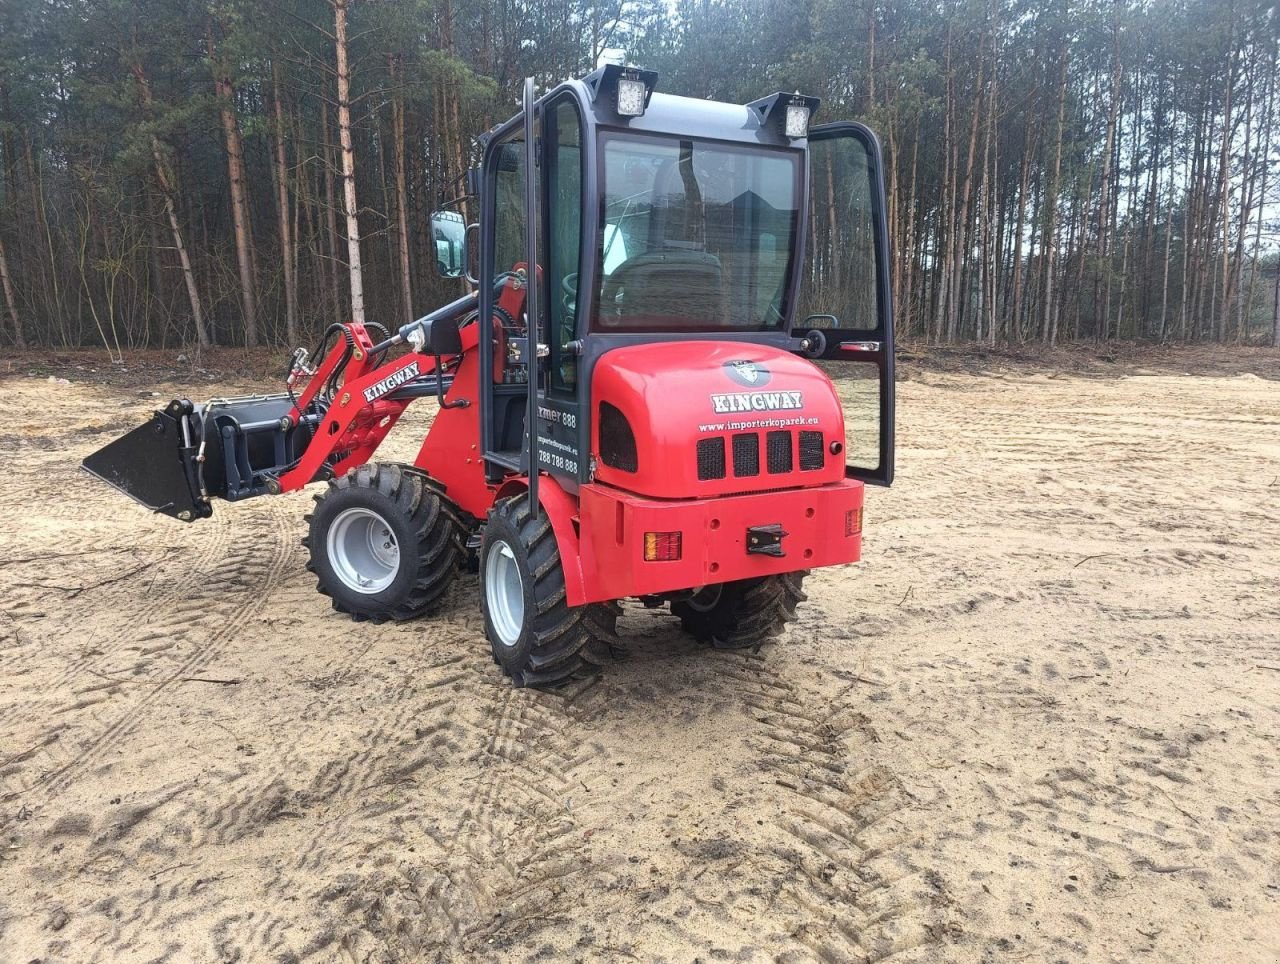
76	686
513	843
208	620
851	891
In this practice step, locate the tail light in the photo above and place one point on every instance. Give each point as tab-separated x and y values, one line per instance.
853	522
661	546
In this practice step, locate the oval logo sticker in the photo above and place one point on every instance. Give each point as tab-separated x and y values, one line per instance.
747	373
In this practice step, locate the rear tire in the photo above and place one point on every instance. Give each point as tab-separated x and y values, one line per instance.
385	543
537	638
743	614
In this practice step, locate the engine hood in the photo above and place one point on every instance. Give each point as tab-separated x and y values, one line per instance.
694	419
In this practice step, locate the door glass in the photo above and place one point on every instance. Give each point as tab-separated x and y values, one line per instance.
859	388
843	295
564	236
840	289
509	207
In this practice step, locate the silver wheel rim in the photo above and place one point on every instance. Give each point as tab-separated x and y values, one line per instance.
705	599
363	551
504	592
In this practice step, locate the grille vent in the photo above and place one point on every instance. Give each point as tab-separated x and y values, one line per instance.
746	455
617	441
778	452
812	456
711	458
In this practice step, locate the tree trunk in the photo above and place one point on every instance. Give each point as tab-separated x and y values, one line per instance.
1164	285
1268	125
331	215
961	246
166	197
19	338
1013	321
224	92
1224	182
1048	331
287	238
909	248
1248	183
402	191
348	161
184	260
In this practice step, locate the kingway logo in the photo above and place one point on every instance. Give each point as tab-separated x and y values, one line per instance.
756	402
378	389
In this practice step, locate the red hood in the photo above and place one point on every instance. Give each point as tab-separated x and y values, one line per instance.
775	417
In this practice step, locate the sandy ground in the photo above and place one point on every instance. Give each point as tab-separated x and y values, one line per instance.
1040	722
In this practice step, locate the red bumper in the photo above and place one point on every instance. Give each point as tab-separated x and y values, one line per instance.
822	526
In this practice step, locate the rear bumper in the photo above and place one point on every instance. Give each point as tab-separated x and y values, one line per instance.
823	527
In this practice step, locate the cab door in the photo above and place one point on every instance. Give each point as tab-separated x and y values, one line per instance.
532	212
845	309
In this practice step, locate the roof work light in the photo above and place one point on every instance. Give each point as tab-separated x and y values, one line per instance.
631	91
626	89
797	122
790	112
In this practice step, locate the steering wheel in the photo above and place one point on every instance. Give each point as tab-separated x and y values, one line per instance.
569	292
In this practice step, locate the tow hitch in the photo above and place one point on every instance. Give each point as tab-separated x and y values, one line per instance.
765	540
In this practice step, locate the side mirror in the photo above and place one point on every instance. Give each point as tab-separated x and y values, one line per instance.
449	232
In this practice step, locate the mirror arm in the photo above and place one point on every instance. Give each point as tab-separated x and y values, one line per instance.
458	200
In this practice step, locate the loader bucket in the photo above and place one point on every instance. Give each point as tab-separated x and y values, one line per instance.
155	465
245	444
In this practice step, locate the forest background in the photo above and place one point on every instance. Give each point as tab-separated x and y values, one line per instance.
242	172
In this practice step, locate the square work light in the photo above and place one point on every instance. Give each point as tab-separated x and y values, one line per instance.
787	114
797	122
631	96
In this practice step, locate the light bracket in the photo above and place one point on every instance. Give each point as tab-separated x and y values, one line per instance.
626	90
788	114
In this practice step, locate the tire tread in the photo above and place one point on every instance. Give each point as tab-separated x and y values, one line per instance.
749	612
561	633
439	525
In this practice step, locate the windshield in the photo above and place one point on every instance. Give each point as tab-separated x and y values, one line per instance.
696	235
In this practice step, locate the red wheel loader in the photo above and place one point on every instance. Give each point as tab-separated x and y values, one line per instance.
629	404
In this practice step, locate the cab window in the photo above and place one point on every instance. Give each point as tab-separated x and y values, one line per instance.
564	236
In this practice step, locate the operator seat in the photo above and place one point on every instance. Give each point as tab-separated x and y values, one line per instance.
661	285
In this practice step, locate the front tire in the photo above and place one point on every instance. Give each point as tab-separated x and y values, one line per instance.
537	638
743	614
385	543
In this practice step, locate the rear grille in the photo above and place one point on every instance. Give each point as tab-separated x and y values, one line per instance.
711	458
746	455
778	452
617	441
812	456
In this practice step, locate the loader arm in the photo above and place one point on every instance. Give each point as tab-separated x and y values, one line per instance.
239	448
365	410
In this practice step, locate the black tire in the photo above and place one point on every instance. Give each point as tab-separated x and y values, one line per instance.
428	531
744	614
553	636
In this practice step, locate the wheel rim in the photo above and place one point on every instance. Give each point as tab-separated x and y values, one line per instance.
363	551
504	592
705	599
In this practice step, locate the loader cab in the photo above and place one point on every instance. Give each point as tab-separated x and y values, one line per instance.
663	219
